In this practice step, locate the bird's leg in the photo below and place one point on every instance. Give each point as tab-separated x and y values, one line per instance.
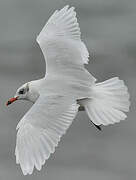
81	108
97	126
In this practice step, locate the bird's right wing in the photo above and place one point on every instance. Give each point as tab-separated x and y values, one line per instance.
41	128
62	47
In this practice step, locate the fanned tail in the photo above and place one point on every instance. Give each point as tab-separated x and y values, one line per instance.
109	102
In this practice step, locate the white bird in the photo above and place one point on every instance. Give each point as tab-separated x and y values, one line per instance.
66	86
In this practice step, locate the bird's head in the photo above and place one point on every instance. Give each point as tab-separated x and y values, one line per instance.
21	94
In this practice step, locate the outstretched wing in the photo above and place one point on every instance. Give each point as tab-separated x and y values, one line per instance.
40	130
61	43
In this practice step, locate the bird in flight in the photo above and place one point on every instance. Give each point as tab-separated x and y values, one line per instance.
66	88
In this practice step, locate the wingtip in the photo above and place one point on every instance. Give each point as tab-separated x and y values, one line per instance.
67	7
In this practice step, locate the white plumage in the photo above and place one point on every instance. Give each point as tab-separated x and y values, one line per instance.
40	130
66	86
60	40
110	99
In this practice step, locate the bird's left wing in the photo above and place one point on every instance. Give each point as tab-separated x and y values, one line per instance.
61	44
41	128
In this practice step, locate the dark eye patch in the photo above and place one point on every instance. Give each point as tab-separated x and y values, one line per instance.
22	91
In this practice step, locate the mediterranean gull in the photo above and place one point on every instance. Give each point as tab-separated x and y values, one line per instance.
66	88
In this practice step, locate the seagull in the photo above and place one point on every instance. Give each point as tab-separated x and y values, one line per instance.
66	88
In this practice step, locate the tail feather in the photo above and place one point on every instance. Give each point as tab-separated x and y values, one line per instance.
109	102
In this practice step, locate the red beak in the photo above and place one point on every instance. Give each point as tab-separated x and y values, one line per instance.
10	101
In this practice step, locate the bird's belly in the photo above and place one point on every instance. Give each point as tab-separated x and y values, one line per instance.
77	89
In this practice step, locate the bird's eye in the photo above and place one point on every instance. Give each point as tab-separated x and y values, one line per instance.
22	91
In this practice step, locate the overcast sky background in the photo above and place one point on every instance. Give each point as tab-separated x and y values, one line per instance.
109	30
